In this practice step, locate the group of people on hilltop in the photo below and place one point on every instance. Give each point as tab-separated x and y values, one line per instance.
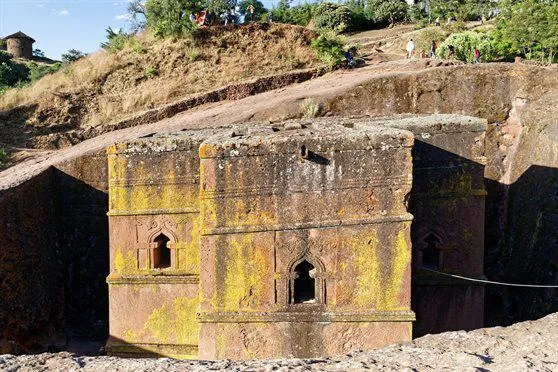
434	48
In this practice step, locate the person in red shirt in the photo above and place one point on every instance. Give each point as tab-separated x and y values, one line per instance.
477	55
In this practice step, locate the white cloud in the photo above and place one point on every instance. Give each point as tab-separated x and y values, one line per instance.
64	12
123	17
40	5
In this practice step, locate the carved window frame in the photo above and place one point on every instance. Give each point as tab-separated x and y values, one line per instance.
319	282
171	245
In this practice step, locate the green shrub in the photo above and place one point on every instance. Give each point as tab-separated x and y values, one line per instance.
310	109
37	71
193	54
172	17
330	16
11	73
136	45
329	48
151	72
116	41
464	45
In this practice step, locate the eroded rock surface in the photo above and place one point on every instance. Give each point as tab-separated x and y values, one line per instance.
524	346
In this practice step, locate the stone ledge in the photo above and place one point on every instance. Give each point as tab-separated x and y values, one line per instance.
307	225
308	317
451	195
147	212
121	348
396	181
155	279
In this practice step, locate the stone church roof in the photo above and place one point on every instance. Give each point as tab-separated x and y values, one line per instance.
19	35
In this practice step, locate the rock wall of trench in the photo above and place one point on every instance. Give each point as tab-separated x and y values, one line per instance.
53	227
54	257
521	176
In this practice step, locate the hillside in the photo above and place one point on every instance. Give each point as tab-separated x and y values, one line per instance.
148	72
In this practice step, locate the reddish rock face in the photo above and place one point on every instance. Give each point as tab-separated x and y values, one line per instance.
447	202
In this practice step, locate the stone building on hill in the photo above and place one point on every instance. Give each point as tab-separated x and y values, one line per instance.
296	239
19	45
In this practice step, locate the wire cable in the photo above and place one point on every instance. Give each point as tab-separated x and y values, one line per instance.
489	281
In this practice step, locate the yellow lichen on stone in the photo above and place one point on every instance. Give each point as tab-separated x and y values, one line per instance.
375	288
399	265
186	326
246	272
175	323
369	284
159	324
189	252
140	197
125	265
129	336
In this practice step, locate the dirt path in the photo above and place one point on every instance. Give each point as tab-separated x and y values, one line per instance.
275	105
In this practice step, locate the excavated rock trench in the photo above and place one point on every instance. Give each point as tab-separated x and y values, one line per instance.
525	346
54	204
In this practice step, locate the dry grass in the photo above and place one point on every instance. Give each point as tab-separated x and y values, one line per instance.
104	88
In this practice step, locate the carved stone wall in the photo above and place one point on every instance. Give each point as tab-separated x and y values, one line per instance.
447	202
154	208
277	200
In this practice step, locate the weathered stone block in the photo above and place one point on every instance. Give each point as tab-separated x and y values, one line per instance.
304	225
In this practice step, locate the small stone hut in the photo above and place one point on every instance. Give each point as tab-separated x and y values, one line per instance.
20	45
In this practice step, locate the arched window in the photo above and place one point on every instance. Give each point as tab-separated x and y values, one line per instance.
161	253
304	288
431	253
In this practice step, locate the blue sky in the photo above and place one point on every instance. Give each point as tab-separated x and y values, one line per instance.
59	25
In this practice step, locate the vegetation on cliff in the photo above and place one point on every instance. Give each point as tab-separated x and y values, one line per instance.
18	73
143	72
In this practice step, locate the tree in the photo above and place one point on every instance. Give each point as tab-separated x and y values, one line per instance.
297	15
528	28
384	11
137	13
171	17
72	55
331	16
38	53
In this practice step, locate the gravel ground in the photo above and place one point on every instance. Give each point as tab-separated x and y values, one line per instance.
524	346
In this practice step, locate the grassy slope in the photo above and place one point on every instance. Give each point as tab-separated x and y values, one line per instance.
104	88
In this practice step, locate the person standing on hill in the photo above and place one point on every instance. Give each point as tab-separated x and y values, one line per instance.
433	47
410	48
476	55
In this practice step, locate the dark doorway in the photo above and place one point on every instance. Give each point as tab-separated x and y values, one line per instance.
162	254
304	283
